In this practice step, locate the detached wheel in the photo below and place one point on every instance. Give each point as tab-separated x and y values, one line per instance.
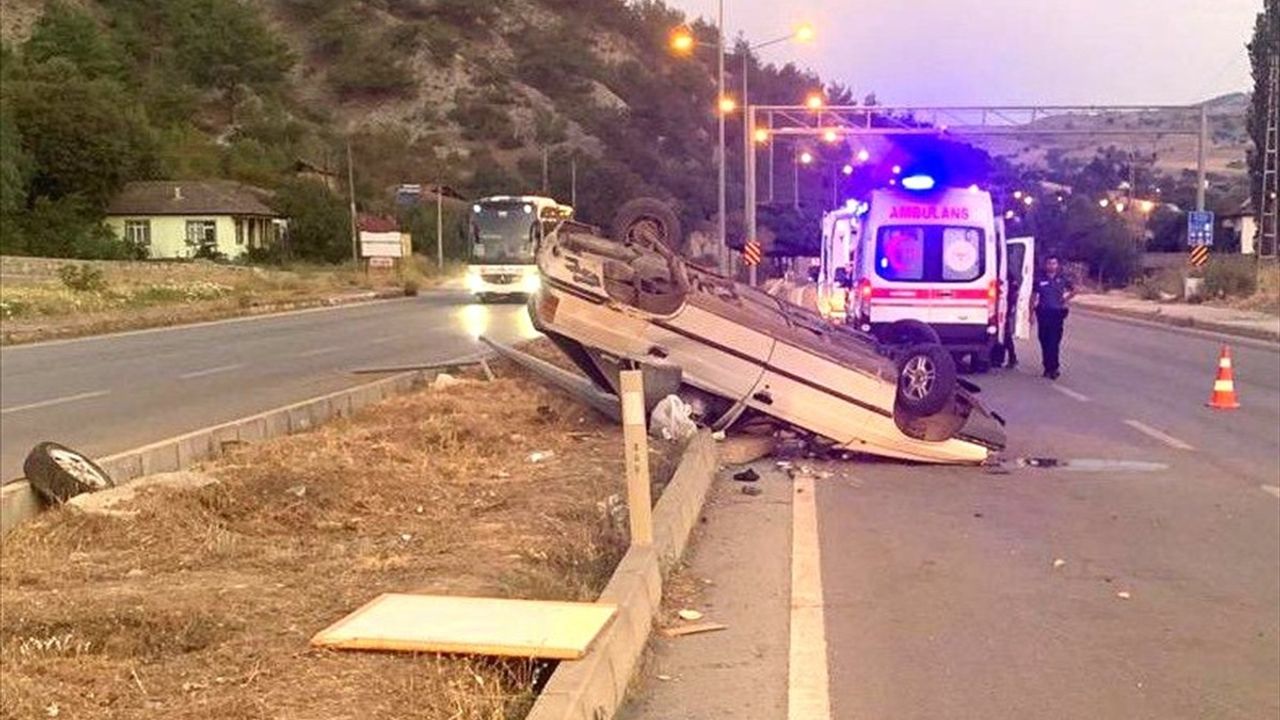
59	473
926	379
648	222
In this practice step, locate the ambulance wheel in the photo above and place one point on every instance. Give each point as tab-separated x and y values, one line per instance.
926	379
904	333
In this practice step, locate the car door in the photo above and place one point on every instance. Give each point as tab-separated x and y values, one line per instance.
1021	260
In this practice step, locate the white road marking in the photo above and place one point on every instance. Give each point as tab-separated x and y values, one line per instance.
318	351
387	339
1163	437
210	371
1271	489
1070	393
53	401
808	693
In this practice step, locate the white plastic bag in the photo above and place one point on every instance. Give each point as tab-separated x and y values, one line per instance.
672	419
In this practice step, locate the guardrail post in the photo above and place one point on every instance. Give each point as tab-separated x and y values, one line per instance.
635	437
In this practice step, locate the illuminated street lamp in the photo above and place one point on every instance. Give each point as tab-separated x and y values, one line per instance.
1104	202
830	136
847	169
682	41
897	169
815	101
1120	207
1028	200
863	155
806	157
1146	206
804	33
762	135
727	105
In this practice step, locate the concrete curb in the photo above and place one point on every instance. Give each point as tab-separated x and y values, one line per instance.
594	687
18	502
1186	326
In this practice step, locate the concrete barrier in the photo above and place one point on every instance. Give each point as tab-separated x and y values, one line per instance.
594	687
18	502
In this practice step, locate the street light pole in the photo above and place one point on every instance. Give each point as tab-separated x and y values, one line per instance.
720	155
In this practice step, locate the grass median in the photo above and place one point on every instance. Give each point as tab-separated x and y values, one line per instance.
202	604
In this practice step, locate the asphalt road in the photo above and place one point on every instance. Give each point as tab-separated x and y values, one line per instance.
940	588
106	394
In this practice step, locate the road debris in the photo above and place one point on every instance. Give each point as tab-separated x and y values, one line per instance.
541	456
1124	595
744	449
672	419
444	381
752	490
749	475
1059	562
683	630
664	678
471	625
298	490
690	615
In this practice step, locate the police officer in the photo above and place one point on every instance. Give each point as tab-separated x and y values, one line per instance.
1052	292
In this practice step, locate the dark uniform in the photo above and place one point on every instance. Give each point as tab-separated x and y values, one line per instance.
1011	323
1051	315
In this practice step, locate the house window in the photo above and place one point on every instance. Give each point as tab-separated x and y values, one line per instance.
240	230
202	237
138	233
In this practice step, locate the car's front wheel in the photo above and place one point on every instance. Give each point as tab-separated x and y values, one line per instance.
926	379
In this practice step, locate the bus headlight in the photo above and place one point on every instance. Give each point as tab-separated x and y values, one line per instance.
475	283
532	283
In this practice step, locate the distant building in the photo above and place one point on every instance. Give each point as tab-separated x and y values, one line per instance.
185	219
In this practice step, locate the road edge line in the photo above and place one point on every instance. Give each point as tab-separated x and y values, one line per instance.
595	687
19	502
808	679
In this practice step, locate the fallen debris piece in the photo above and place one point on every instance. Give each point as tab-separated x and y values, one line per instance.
57	473
470	625
743	449
692	629
664	678
541	456
1123	595
444	381
298	490
752	490
1059	563
747	475
690	615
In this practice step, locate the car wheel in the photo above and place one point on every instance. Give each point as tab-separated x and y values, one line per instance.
926	379
59	473
648	222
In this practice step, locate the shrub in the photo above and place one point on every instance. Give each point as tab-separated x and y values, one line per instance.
411	288
1230	277
82	278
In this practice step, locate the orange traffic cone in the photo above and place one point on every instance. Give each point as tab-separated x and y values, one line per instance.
1224	388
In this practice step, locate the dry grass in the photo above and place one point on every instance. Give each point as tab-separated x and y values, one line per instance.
202	607
35	304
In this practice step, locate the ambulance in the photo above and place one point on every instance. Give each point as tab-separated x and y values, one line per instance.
917	263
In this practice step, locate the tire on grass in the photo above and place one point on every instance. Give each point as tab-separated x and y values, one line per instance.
57	473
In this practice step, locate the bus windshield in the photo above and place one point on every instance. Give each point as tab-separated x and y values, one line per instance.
503	232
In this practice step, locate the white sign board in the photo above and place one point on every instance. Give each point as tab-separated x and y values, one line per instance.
381	244
381	263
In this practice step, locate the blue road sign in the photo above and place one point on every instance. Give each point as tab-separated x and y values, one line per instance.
1199	228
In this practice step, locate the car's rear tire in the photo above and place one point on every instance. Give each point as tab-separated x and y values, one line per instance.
646	221
926	379
58	473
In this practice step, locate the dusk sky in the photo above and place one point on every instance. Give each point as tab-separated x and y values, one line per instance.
1010	51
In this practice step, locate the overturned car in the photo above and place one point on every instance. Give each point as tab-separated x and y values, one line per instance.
738	355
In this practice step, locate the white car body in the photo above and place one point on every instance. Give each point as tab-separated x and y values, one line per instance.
744	347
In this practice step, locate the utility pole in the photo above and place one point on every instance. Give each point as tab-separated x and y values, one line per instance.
439	224
351	190
1269	205
573	181
1200	160
545	169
